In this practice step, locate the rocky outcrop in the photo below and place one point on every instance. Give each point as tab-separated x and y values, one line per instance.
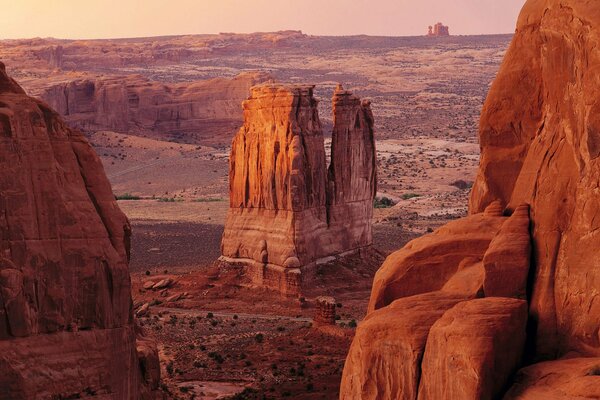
66	326
542	148
439	29
473	350
539	142
325	313
287	209
137	105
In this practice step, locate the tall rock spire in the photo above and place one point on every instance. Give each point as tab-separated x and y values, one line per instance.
287	210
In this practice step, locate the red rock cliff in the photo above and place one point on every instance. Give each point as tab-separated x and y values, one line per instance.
287	210
66	326
135	104
425	337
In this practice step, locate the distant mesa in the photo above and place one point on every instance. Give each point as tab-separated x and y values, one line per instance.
289	211
140	106
439	29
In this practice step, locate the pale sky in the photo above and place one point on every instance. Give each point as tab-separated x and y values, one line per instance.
83	19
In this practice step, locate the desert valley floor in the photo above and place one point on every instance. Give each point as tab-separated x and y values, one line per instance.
217	337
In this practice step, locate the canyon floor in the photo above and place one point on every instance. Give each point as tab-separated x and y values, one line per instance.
219	338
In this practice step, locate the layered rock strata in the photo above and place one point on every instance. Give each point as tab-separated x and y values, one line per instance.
539	142
135	104
66	325
288	210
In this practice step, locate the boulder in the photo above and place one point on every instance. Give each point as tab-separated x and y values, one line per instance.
384	361
566	379
474	349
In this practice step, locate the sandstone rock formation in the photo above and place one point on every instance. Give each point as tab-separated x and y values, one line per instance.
288	211
137	105
66	325
438	29
539	142
325	313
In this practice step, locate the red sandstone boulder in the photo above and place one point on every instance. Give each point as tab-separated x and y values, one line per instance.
66	325
568	379
506	261
427	263
474	349
384	361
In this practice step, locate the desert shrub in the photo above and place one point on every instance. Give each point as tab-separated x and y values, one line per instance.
127	196
208	200
259	337
352	324
216	357
383	202
408	196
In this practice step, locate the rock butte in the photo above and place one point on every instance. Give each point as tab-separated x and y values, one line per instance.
446	317
66	323
136	104
288	210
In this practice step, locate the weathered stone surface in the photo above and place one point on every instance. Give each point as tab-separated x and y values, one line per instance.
427	263
138	105
507	260
448	264
66	323
540	141
385	357
325	313
567	379
474	349
287	210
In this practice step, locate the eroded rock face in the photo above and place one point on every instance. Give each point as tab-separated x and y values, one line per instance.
474	349
539	141
542	148
433	282
64	247
136	104
287	209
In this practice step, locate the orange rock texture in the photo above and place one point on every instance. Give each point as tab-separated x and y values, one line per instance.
530	242
66	325
136	104
288	210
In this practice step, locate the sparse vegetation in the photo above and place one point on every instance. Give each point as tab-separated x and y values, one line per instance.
383	202
208	200
127	196
408	196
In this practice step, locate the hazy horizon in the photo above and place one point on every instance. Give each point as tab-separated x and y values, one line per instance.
110	19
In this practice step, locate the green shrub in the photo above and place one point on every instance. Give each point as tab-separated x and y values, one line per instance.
208	200
127	196
407	196
383	202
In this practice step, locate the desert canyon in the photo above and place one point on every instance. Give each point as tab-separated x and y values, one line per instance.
395	218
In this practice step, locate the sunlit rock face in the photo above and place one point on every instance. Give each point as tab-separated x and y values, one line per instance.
288	209
66	326
531	243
